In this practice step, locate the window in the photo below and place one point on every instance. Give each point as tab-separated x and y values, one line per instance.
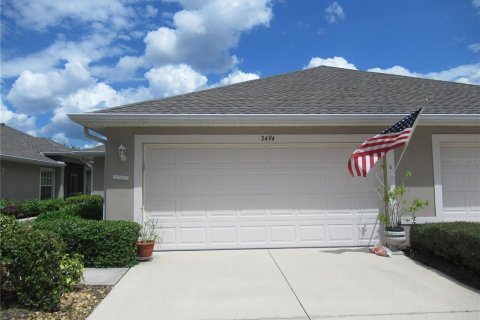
47	178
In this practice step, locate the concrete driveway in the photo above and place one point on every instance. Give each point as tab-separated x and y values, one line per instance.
286	284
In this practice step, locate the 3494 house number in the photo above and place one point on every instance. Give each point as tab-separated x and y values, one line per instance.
267	138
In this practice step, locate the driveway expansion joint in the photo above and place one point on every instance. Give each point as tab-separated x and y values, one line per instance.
289	285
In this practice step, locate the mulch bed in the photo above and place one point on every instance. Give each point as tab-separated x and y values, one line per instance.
75	305
458	272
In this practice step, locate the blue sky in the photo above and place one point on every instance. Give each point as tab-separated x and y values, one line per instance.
64	56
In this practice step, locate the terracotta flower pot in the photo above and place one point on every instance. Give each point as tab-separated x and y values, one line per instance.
145	249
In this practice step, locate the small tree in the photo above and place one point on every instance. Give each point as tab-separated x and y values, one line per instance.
397	206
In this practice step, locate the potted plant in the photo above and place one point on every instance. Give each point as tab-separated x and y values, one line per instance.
147	238
397	207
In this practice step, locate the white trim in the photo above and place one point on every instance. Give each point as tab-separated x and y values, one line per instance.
53	163
439	140
281	139
103	120
40	182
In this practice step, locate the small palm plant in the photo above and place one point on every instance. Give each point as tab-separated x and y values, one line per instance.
397	206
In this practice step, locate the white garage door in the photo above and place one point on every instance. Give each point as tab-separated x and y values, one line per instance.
257	196
460	176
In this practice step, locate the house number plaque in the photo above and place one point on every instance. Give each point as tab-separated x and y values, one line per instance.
267	138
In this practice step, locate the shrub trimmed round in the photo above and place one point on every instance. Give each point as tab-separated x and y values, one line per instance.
101	243
88	206
456	242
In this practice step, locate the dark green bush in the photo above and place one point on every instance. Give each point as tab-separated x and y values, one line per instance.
101	243
31	266
89	206
35	207
66	212
455	242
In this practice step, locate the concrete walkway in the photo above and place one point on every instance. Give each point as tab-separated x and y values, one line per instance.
286	284
102	276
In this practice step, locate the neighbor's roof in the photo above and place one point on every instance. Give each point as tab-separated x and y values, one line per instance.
98	151
322	90
322	95
16	145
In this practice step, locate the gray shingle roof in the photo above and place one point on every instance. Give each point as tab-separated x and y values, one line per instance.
15	143
322	90
100	147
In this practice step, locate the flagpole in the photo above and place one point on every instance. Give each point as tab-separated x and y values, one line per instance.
413	130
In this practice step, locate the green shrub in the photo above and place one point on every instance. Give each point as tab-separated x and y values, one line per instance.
66	212
31	267
35	207
11	207
101	243
455	242
89	206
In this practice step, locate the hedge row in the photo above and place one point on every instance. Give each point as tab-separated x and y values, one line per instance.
34	269
101	243
454	242
85	206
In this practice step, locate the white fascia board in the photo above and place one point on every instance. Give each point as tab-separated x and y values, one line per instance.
103	120
32	161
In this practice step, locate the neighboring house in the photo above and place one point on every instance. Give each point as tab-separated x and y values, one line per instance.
39	168
263	163
96	175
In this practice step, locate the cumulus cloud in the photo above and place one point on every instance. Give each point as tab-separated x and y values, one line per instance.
91	48
42	14
19	121
36	93
334	13
338	62
237	76
469	74
174	79
204	32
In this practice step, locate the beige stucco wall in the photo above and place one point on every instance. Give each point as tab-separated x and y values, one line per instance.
98	176
21	181
119	194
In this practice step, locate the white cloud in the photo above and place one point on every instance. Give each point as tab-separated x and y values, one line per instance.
88	99
338	62
476	3
475	47
36	93
91	48
204	32
469	74
19	121
237	76
42	14
174	79
334	13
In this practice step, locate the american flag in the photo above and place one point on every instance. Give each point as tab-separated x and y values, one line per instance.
372	150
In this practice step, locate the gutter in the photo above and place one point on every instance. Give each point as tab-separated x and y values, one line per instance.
86	132
32	161
103	120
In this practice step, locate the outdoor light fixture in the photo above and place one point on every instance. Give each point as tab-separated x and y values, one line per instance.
122	152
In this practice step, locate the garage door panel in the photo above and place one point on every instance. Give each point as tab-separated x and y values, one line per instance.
223	235
253	234
255	197
283	234
340	232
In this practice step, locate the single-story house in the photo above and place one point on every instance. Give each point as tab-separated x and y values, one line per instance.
263	163
96	175
39	168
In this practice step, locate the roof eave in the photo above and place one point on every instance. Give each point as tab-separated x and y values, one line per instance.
52	163
104	120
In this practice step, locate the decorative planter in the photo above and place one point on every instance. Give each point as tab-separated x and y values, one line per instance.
394	237
145	250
